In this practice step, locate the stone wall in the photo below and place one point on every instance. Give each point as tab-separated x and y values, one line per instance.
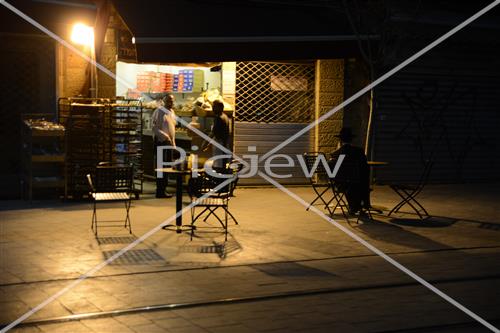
72	72
108	57
329	93
106	83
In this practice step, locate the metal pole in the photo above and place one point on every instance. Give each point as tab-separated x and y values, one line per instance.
93	73
368	128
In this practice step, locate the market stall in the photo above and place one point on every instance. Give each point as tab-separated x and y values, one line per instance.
194	87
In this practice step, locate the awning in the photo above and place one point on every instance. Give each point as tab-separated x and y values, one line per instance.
194	31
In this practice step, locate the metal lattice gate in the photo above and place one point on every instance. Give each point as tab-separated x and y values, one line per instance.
274	92
273	102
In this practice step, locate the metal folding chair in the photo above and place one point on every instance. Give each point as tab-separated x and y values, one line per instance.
339	190
408	192
111	183
319	181
344	184
215	198
233	168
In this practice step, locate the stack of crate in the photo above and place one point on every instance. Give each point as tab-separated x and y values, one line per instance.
144	81
155	82
187	75
176	84
189	80
166	82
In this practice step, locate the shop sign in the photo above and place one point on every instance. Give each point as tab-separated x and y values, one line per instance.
288	83
125	47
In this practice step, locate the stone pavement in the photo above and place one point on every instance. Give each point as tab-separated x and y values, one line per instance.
282	269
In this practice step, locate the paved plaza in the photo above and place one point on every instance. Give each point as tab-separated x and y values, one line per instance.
283	269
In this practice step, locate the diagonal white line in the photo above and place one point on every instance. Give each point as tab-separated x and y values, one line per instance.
149	233
382	78
203	135
381	254
109	260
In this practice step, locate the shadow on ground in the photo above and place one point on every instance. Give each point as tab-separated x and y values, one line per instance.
431	222
394	233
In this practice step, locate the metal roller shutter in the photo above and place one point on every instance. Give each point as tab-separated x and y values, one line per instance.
273	102
265	137
446	104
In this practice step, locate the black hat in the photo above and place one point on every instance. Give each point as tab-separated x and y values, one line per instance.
345	134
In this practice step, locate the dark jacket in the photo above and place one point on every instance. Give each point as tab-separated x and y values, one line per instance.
221	129
354	170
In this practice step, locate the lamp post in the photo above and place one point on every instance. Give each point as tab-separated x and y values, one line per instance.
84	35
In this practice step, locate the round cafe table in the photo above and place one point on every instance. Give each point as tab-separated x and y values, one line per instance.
377	163
178	198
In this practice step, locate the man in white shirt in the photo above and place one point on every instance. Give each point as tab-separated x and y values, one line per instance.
164	121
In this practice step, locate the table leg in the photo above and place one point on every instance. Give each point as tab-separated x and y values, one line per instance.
178	202
178	227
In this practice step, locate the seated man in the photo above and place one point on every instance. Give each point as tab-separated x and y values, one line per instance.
354	170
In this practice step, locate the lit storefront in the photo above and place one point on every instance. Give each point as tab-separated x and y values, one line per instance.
272	86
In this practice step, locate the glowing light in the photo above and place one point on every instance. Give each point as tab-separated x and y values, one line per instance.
82	35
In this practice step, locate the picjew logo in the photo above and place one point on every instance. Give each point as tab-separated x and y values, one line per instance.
250	163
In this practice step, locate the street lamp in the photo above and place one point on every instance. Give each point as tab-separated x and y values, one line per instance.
84	35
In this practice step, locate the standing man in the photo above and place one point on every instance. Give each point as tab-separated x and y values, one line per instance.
220	133
164	121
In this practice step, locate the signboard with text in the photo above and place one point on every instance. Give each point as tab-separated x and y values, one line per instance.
125	48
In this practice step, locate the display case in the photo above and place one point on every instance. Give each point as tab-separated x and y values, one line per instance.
43	155
125	134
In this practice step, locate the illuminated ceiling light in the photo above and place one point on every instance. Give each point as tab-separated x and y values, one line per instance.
82	35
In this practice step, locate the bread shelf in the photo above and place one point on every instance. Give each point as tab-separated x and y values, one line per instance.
100	130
